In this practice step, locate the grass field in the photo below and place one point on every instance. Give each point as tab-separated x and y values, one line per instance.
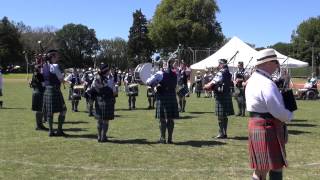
133	152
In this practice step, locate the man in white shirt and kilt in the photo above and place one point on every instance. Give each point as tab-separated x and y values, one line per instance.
166	101
53	101
37	83
105	91
268	115
221	85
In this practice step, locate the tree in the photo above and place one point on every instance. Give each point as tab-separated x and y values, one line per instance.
10	45
187	22
114	53
78	45
140	47
306	38
283	48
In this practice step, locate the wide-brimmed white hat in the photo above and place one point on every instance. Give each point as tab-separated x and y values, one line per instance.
265	55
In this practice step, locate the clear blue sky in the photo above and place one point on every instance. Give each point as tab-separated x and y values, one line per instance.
260	22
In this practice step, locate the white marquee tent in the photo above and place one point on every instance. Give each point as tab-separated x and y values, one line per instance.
241	52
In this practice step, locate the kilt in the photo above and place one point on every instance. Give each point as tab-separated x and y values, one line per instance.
37	97
104	108
266	143
224	106
53	101
166	107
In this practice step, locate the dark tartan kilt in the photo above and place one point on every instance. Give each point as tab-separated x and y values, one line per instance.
37	97
104	108
53	101
266	144
224	106
166	107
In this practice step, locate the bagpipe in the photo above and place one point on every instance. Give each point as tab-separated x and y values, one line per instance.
286	92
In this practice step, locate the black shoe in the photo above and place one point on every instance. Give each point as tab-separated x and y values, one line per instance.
221	136
162	141
51	134
90	115
104	140
61	133
41	128
170	142
76	110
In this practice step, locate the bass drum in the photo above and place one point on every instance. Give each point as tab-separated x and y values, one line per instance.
143	72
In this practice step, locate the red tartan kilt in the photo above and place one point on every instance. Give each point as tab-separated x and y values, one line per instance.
266	144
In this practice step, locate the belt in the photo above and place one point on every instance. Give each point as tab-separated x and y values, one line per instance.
261	115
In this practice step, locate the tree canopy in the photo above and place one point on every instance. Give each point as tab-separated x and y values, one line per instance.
187	22
140	47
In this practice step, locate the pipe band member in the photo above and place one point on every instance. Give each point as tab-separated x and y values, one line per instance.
239	83
104	86
131	89
1	102
87	79
53	101
74	94
221	84
165	82
37	84
183	86
268	115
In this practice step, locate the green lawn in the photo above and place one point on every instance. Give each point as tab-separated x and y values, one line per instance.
133	152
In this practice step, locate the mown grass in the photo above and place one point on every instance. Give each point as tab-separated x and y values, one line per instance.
133	152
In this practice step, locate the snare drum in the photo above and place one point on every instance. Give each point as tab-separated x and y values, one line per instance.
142	72
133	90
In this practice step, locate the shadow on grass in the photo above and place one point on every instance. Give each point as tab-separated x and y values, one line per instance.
12	108
297	132
75	129
302	125
132	141
299	120
73	122
185	117
240	138
199	143
86	136
200	112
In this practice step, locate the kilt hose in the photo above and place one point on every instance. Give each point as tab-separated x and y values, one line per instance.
104	108
37	100
266	143
53	101
224	106
166	106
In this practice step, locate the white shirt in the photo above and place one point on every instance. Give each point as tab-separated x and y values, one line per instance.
108	82
263	96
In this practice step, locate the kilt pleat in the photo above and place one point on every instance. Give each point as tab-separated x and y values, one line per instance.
266	144
224	106
53	101
37	100
104	108
166	107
